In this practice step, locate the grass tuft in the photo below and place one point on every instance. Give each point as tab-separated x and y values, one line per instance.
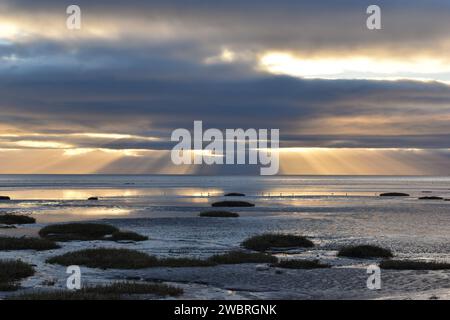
112	291
301	264
105	258
413	265
219	214
236	257
16	219
365	251
267	241
77	231
12	271
136	288
25	243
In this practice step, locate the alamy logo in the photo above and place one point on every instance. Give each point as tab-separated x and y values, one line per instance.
374	279
74	280
73	21
235	147
374	20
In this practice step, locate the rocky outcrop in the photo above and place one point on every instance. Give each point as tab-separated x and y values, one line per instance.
232	204
431	198
394	194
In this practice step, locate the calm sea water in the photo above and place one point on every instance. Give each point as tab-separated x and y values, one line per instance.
72	187
331	210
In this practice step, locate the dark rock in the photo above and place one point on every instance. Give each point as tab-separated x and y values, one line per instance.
93	199
431	198
234	194
232	204
4	198
219	214
394	194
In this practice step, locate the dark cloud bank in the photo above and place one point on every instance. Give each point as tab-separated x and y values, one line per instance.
151	88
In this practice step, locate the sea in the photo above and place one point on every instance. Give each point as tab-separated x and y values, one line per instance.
333	211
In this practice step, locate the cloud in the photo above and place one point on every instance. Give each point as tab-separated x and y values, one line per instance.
286	24
139	69
66	102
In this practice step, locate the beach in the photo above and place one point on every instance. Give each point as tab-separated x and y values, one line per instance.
331	211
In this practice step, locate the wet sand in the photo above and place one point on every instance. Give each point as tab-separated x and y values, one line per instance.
346	213
20	231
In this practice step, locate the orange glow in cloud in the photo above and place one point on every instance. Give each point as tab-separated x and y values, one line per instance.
293	161
348	161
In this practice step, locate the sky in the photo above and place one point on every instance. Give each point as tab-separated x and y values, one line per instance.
106	98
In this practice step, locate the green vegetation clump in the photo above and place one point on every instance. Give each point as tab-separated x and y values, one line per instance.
25	243
111	258
268	241
128	236
105	258
365	251
232	204
236	257
87	232
301	264
12	271
16	219
413	265
112	291
77	231
219	214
